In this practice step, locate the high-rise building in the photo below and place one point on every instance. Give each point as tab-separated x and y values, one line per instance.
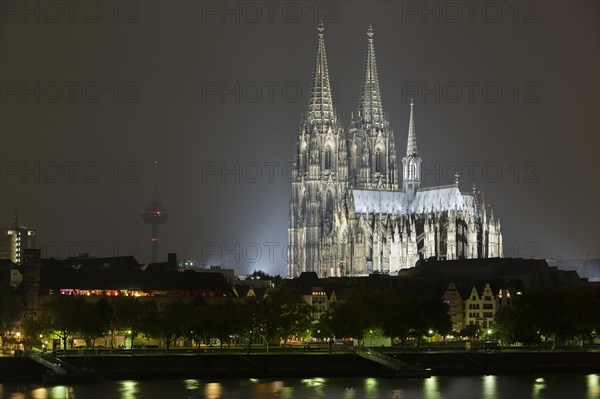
15	239
348	214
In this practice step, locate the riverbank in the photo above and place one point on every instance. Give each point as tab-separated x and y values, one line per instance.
261	365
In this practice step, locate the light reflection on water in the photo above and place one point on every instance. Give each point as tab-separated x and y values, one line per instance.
213	390
538	388
463	387
128	389
593	384
430	388
192	384
489	387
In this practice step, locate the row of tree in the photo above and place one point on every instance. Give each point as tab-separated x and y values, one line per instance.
278	316
388	313
558	315
539	315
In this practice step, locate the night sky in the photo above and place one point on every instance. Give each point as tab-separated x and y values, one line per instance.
168	72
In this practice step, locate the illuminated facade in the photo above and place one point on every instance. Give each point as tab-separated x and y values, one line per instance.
349	216
453	299
477	305
480	308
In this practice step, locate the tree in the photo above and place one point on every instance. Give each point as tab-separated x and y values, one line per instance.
516	326
400	313
587	302
170	322
324	329
504	324
197	325
347	322
61	314
114	318
255	321
560	314
359	311
10	310
265	321
434	316
471	331
261	275
277	315
33	328
135	316
419	322
294	316
223	320
92	323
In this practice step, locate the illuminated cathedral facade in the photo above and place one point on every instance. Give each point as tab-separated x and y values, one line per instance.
349	215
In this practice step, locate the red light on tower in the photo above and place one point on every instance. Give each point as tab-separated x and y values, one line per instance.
154	215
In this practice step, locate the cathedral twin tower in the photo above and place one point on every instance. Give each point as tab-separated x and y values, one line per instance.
348	214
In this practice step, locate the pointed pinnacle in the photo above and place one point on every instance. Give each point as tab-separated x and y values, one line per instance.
411	147
320	105
370	108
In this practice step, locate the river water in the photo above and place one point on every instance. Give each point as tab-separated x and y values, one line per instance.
461	387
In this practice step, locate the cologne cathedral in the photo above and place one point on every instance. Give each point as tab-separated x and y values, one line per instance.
349	216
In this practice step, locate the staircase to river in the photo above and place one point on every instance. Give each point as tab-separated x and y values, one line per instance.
61	371
398	367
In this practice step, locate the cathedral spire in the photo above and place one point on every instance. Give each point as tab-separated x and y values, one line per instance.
320	104
411	147
411	163
369	107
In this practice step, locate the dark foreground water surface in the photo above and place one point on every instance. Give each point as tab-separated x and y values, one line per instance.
484	387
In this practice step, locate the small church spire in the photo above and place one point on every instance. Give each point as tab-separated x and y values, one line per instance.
411	163
411	147
370	109
320	104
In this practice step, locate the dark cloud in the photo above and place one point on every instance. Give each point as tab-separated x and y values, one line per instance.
186	84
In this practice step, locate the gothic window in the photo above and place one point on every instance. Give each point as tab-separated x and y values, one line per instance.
329	206
461	238
304	158
328	158
378	161
344	238
354	161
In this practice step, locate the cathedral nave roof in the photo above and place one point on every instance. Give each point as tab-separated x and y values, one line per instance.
378	201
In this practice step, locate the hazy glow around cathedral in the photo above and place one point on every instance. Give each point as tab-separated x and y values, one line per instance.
348	214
